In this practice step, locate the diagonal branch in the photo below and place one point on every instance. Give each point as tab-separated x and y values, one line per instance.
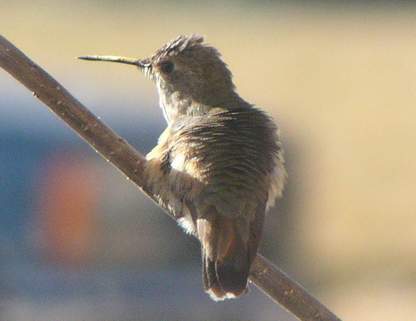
267	277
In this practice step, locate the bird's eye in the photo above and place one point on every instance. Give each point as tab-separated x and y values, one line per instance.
166	67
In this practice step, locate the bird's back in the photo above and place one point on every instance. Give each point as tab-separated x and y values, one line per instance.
231	152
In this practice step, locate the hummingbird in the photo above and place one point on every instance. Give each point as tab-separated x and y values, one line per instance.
218	166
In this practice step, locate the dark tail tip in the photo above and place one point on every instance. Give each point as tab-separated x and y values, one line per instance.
232	278
226	261
224	281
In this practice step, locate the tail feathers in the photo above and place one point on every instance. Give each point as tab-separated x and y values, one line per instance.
211	283
225	258
223	282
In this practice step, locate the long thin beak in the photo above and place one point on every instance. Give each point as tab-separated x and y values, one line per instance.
123	60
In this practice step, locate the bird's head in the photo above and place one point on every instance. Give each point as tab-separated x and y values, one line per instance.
190	76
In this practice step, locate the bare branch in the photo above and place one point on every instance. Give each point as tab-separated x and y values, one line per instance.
268	278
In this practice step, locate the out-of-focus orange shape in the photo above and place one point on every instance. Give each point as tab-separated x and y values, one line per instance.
68	202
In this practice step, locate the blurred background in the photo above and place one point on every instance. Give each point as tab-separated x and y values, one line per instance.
77	240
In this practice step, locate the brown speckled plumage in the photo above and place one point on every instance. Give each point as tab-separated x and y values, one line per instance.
218	166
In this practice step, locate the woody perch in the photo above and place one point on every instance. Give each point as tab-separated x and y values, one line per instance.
218	166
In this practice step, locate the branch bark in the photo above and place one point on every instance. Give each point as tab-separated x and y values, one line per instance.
267	277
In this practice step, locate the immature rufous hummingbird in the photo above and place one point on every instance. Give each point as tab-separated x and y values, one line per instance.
218	166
